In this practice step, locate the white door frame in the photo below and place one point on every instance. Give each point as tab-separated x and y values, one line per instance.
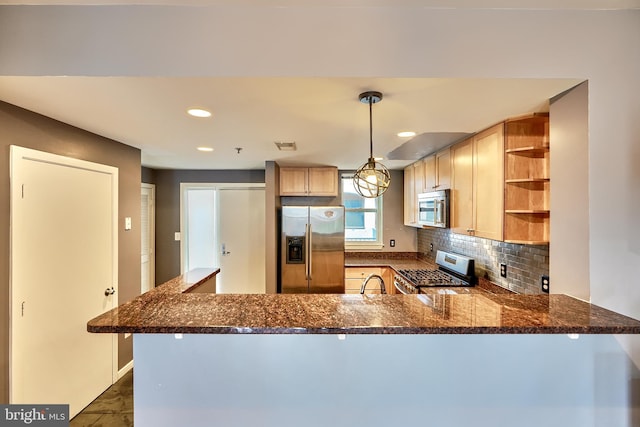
18	153
152	232
184	187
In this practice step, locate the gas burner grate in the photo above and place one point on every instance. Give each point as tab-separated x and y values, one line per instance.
423	277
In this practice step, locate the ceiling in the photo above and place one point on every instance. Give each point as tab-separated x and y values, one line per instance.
440	4
322	115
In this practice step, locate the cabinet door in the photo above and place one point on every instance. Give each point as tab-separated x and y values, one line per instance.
418	177
409	198
323	181
443	169
354	276
387	275
430	173
293	181
488	175
461	211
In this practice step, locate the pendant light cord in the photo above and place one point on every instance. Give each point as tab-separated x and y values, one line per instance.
370	127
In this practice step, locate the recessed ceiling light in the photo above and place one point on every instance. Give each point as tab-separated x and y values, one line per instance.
198	112
205	149
406	134
377	159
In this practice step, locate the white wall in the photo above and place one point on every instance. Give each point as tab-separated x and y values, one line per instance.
569	133
601	46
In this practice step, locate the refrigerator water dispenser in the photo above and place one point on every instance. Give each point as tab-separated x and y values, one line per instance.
295	250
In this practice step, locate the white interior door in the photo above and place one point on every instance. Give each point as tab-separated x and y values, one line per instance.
147	235
63	258
223	226
198	226
241	241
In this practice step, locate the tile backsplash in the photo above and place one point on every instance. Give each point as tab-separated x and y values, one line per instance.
525	263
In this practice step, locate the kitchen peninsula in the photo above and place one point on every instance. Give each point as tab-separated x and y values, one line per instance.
346	360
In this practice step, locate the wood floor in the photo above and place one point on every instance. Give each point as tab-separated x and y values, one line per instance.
113	408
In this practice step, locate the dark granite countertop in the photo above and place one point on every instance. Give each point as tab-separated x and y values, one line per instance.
167	309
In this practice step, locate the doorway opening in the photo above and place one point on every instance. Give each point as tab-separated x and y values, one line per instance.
223	225
148	236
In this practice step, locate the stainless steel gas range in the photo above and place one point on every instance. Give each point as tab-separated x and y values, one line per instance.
453	270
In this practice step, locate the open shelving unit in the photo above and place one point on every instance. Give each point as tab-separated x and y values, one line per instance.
526	190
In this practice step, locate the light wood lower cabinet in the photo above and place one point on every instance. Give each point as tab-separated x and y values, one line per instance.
354	276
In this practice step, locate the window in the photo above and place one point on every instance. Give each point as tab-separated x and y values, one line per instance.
363	218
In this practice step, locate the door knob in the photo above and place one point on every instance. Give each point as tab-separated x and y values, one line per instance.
109	291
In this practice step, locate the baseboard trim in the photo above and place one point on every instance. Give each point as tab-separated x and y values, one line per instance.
125	369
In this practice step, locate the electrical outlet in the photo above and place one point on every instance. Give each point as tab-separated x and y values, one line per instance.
392	243
544	284
503	270
430	247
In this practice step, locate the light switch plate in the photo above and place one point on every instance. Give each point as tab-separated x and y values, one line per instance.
127	223
176	236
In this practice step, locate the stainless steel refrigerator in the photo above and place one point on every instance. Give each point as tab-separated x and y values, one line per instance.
312	250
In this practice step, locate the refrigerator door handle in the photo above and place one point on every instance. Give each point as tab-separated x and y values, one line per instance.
306	252
309	253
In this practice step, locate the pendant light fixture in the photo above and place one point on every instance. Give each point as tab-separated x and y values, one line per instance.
371	179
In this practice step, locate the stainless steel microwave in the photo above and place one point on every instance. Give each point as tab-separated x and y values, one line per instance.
433	209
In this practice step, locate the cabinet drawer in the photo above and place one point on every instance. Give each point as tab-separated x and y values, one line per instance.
361	273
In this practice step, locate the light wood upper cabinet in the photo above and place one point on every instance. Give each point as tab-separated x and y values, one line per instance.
461	199
418	177
410	198
437	171
527	183
443	168
323	181
488	182
295	181
413	185
430	173
477	184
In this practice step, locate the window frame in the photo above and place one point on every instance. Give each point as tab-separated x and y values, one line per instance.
378	210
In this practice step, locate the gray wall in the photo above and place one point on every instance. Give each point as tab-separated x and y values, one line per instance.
168	210
394	228
27	129
148	175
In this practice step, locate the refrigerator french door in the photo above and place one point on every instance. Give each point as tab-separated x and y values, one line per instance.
312	249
